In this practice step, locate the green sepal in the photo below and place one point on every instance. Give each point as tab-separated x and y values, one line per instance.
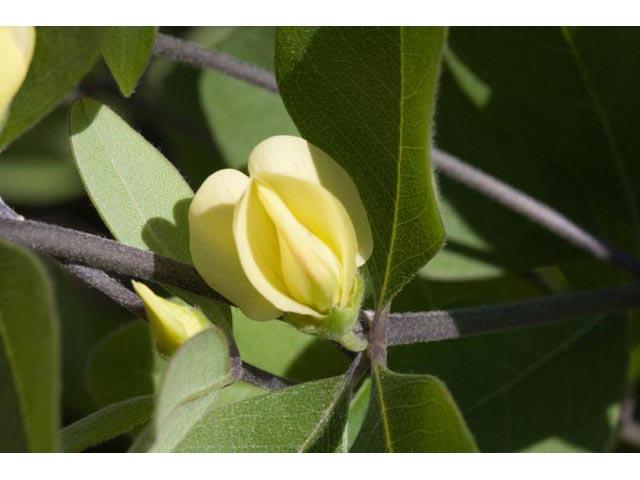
336	325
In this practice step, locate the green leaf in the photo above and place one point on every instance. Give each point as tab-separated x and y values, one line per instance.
29	355
412	413
142	198
139	194
123	365
236	392
283	350
534	389
561	126
37	170
105	424
192	382
309	417
86	316
63	56
126	51
239	114
366	97
358	412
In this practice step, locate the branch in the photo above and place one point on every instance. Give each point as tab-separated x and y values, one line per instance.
97	279
534	210
109	286
473	178
407	328
90	250
379	326
70	245
266	380
190	53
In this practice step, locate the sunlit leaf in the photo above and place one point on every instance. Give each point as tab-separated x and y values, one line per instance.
412	413
307	417
192	382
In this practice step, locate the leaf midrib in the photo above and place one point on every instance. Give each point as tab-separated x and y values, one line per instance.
383	410
394	229
323	419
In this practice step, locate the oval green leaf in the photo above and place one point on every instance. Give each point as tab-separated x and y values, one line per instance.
139	194
412	413
142	198
127	50
63	56
29	355
366	96
105	424
192	382
309	417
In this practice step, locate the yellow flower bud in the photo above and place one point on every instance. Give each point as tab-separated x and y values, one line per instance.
16	50
286	240
172	324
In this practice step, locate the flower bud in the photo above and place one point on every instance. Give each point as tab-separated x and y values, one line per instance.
16	50
285	241
172	324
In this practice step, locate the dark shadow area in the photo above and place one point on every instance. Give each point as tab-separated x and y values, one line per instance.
83	113
475	253
123	365
519	388
320	359
13	438
524	386
539	132
86	317
167	238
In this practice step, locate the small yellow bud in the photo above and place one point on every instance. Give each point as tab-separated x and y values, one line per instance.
16	50
286	240
172	324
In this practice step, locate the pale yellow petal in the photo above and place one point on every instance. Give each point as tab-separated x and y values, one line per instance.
295	157
325	217
310	269
259	251
16	50
213	248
